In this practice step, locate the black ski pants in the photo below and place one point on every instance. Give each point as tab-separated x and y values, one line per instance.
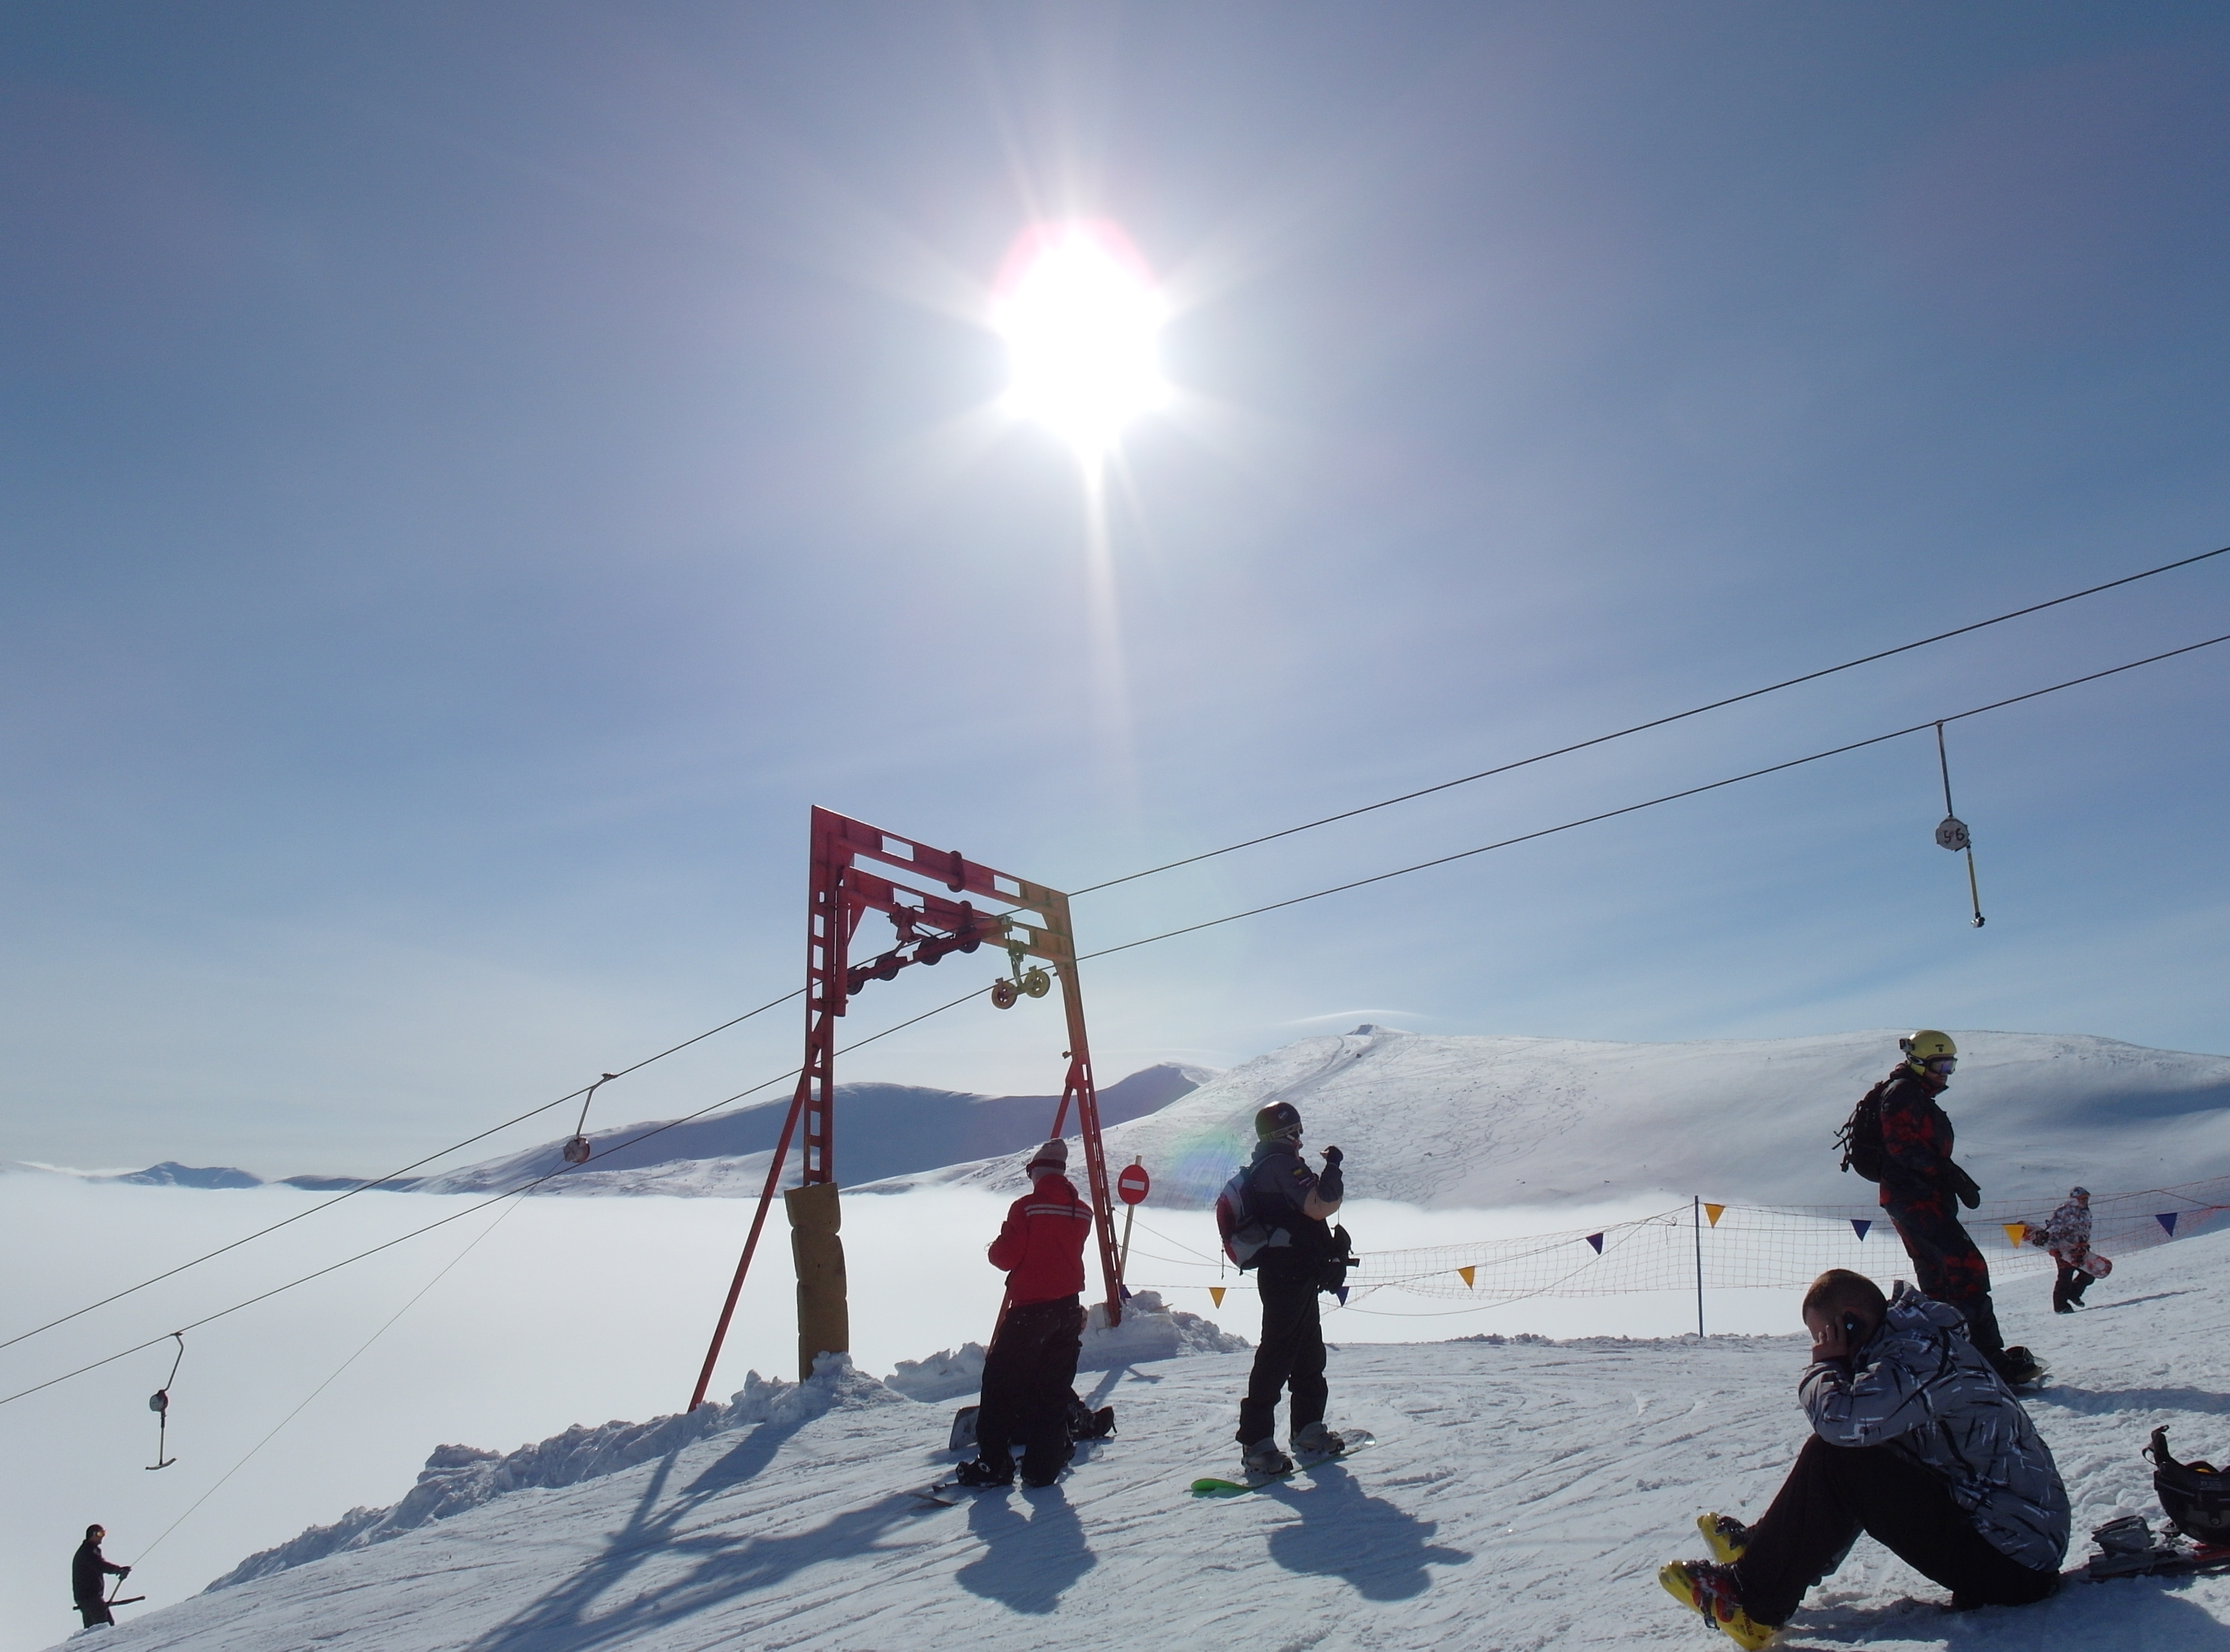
2069	1285
1836	1492
1028	1378
94	1612
1950	1269
1290	1355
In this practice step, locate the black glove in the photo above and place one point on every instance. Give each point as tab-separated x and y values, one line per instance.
1963	1185
1331	1187
1332	1156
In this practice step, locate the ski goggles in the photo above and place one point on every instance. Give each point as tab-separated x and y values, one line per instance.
1944	1064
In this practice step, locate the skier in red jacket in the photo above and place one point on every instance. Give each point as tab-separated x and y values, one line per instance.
1032	1362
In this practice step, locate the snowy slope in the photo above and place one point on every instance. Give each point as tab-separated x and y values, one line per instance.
1523	1493
1481	1124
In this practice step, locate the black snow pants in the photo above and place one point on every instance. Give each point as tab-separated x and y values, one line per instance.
2068	1289
1028	1378
1950	1269
94	1612
1836	1492
1290	1354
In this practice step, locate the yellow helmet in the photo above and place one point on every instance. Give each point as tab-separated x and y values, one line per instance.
1926	1045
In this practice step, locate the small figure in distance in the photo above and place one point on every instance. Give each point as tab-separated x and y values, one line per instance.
89	1576
1903	1410
1291	1204
1919	1182
1029	1371
2067	1236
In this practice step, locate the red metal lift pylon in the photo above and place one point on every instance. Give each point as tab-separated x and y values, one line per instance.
929	926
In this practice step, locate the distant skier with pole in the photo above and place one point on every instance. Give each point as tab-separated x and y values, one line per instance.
1917	1443
1918	1182
2067	1236
1288	1207
89	1574
1031	1369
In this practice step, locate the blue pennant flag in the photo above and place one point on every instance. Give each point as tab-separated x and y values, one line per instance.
2167	1219
1596	1239
1860	1227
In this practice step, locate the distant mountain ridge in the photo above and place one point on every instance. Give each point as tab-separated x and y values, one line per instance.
883	1130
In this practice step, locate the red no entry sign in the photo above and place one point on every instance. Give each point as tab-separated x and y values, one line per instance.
1132	1185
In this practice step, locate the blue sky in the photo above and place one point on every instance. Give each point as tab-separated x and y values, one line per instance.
474	476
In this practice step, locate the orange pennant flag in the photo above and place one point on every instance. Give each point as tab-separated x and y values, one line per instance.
1216	1295
2016	1231
1712	1212
1465	1275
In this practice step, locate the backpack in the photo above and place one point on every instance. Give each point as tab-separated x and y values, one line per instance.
1244	1237
1860	1138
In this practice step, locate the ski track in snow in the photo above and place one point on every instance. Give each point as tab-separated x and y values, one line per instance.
1521	1495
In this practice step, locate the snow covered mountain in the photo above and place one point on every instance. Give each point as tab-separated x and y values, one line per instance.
1483	1123
884	1130
1522	1495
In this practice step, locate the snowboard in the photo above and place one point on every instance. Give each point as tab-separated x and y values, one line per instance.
1357	1440
2162	1560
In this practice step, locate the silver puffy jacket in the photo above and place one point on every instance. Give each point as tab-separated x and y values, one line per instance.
1920	1387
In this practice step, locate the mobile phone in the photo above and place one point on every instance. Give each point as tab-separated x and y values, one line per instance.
1851	1329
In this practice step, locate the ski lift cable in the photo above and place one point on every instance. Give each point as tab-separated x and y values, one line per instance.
361	1350
588	1091
972	994
1167	935
454	1147
1669	797
1654	722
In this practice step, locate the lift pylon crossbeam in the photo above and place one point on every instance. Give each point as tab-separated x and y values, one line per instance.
929	926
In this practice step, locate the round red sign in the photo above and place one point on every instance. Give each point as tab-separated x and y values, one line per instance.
1132	1185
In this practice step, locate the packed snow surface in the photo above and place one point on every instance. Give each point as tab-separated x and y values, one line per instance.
1522	1496
1483	1123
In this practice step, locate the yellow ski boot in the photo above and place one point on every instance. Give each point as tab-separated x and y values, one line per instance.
1728	1537
1706	1587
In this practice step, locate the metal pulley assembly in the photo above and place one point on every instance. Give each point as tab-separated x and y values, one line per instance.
1032	982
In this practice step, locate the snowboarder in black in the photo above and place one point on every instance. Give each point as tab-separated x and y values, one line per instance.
89	1576
1292	1203
1919	1182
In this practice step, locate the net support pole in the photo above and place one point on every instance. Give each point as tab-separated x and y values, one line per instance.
1696	1213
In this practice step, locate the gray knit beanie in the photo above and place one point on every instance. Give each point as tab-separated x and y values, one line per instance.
1051	1159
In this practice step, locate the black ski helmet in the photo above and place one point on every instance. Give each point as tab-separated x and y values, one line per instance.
1279	1118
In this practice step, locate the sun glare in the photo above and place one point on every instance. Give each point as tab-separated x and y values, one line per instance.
1080	316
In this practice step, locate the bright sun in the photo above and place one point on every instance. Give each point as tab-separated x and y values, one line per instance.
1080	315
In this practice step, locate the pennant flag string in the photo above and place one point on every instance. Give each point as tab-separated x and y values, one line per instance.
1712	1212
1860	1227
2015	1233
1464	1274
2167	1219
1596	1239
1216	1295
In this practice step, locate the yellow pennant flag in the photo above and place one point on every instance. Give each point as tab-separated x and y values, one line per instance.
1465	1275
2016	1231
1712	1212
1216	1295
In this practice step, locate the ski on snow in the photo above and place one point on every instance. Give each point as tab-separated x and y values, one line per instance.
1357	1440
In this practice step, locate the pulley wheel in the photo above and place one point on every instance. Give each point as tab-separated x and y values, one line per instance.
577	1151
1003	995
1037	983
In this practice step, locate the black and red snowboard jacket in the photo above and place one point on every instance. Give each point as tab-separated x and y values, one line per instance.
1916	1141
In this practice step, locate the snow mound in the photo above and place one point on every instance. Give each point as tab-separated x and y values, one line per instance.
1151	1330
459	1477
